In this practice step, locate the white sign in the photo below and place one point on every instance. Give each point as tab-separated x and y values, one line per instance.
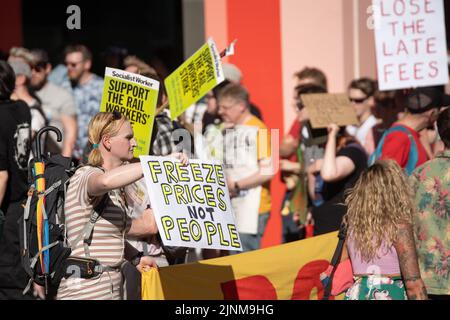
410	43
191	203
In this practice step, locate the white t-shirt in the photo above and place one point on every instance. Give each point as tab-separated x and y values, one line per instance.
56	102
360	133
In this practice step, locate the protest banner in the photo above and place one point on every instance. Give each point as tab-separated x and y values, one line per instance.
135	97
326	108
410	42
285	272
191	203
194	78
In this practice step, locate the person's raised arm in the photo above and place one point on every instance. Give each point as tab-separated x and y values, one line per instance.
99	183
409	267
3	183
334	168
70	134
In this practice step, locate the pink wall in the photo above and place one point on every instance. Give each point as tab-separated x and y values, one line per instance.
216	24
321	34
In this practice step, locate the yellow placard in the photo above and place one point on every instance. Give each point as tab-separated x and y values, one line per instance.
194	78
286	272
135	97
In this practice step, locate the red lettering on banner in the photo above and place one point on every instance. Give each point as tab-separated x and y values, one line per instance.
420	26
402	48
249	288
427	7
415	5
433	66
417	70
384	14
394	27
431	43
387	72
385	52
399	10
308	278
402	71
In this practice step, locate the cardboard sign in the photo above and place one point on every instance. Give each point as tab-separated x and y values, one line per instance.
410	43
194	78
326	108
191	203
135	97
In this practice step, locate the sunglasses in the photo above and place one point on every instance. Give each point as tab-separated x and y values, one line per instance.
39	67
358	100
72	64
115	115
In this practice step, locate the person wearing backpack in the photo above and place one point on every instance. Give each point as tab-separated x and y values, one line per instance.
103	181
402	141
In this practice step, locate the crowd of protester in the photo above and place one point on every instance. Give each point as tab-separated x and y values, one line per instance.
385	179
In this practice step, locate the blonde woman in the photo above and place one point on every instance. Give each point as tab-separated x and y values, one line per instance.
380	239
107	172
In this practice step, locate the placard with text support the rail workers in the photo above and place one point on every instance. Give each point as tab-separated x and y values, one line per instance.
135	97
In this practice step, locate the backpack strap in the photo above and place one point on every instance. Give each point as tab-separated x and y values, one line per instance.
86	234
413	151
335	261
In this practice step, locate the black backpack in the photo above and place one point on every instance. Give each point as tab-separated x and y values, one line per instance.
58	170
57	174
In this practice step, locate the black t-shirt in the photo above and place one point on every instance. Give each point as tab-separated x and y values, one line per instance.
15	146
328	216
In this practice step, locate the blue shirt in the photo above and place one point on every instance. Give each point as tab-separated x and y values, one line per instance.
88	98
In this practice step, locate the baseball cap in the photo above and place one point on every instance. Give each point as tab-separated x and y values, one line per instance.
20	67
231	72
420	100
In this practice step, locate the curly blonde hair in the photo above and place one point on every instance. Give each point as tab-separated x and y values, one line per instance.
380	200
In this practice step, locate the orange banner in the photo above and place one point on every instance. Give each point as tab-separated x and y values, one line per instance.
285	272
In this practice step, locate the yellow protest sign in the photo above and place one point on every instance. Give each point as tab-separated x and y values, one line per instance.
194	78
135	97
287	272
326	108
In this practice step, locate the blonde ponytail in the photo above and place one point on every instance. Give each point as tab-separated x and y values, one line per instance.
103	123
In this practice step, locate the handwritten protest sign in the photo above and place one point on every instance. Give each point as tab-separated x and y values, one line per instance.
135	97
326	108
194	78
410	43
191	203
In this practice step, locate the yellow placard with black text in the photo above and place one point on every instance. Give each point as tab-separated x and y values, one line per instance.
135	97
194	78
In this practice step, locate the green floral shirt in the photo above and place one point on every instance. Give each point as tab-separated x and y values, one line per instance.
431	186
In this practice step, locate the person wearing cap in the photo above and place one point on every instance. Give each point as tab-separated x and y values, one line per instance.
57	104
402	141
234	75
431	188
